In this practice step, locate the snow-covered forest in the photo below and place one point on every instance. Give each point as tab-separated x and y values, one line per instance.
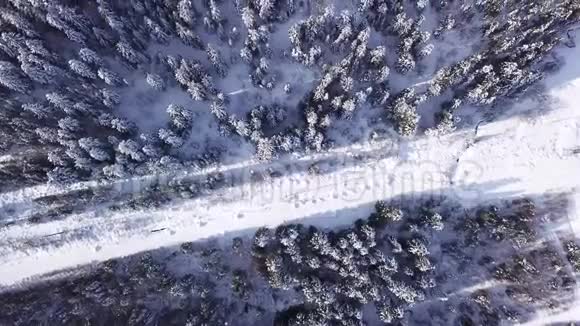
289	162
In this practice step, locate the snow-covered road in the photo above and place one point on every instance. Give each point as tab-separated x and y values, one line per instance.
508	158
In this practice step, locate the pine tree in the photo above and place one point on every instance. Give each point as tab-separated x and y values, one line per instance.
386	214
170	138
197	91
130	54
110	97
155	81
37	47
217	108
181	118
404	116
12	43
69	124
12	78
62	175
248	17
131	148
265	8
104	37
54	19
417	247
40	70
81	69
425	51
186	11
123	126
47	135
90	57
261	239
405	63
156	31
109	77
18	21
39	110
115	171
264	149
433	220
80	157
58	158
189	37
216	60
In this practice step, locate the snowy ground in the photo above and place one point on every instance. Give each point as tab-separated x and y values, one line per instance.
509	158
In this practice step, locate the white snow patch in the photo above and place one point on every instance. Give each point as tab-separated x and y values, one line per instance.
244	96
148	107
